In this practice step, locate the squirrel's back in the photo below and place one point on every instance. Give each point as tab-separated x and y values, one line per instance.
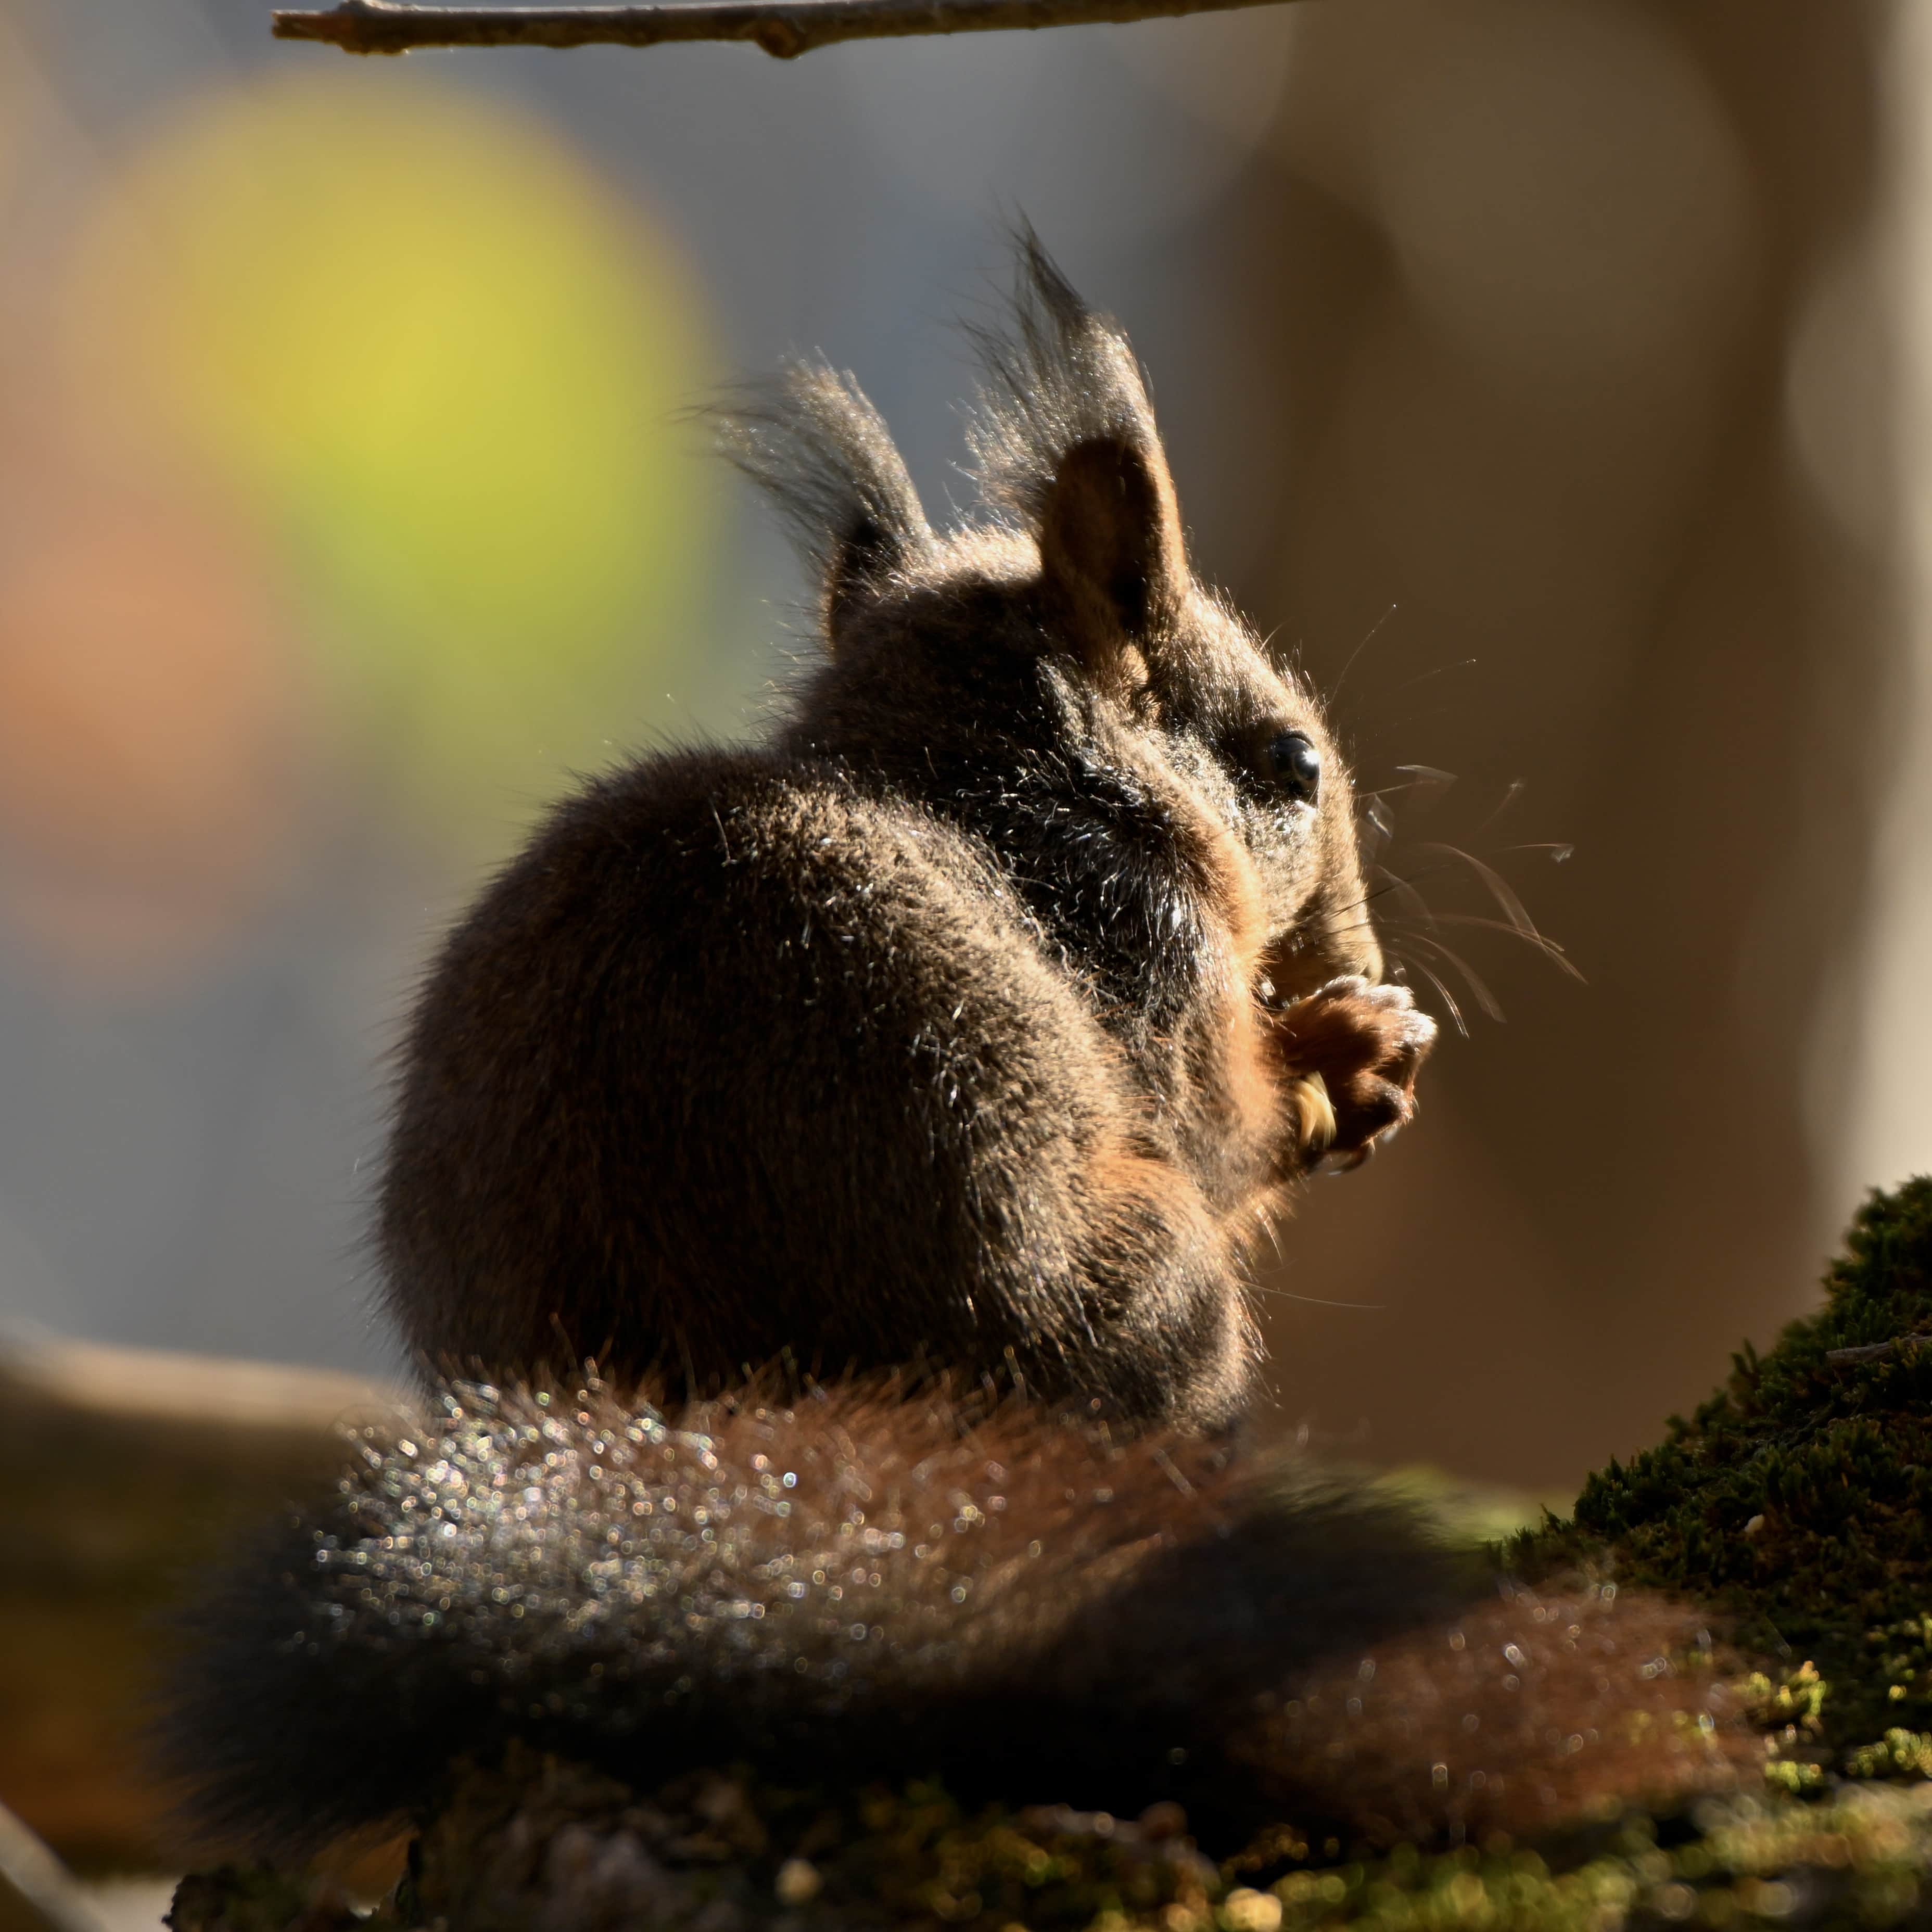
769	1060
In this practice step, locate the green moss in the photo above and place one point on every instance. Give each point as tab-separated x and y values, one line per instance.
1799	1498
1859	1861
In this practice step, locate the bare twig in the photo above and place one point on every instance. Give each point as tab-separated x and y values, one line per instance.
785	29
1872	1350
37	1885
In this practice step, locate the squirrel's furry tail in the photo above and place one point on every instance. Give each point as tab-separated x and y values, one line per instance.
1016	1602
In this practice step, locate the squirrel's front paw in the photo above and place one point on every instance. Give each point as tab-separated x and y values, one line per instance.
1364	1043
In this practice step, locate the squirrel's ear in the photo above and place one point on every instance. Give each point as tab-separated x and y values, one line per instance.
1113	569
1064	441
824	454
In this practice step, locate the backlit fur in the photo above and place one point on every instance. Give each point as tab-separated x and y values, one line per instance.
981	1017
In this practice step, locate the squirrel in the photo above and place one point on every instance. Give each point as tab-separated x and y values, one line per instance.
983	1015
890	1109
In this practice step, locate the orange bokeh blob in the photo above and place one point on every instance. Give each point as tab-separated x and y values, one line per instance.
150	733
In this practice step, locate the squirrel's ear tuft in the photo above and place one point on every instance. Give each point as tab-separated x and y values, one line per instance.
1064	442
816	446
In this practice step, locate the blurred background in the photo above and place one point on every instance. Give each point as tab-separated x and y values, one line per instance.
1545	375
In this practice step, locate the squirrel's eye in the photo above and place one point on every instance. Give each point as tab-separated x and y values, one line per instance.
1292	761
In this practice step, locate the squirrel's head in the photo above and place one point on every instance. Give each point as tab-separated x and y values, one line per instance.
1064	622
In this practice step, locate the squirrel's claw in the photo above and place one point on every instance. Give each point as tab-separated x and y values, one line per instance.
1366	1042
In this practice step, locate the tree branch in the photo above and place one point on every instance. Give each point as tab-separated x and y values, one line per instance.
785	29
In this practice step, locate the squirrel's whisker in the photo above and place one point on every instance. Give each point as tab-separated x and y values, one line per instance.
1478	990
1539	942
1442	992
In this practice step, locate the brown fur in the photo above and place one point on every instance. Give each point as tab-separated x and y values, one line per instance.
864	1585
978	1018
1522	1714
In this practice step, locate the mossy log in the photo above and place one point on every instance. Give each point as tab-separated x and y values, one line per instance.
1796	1501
